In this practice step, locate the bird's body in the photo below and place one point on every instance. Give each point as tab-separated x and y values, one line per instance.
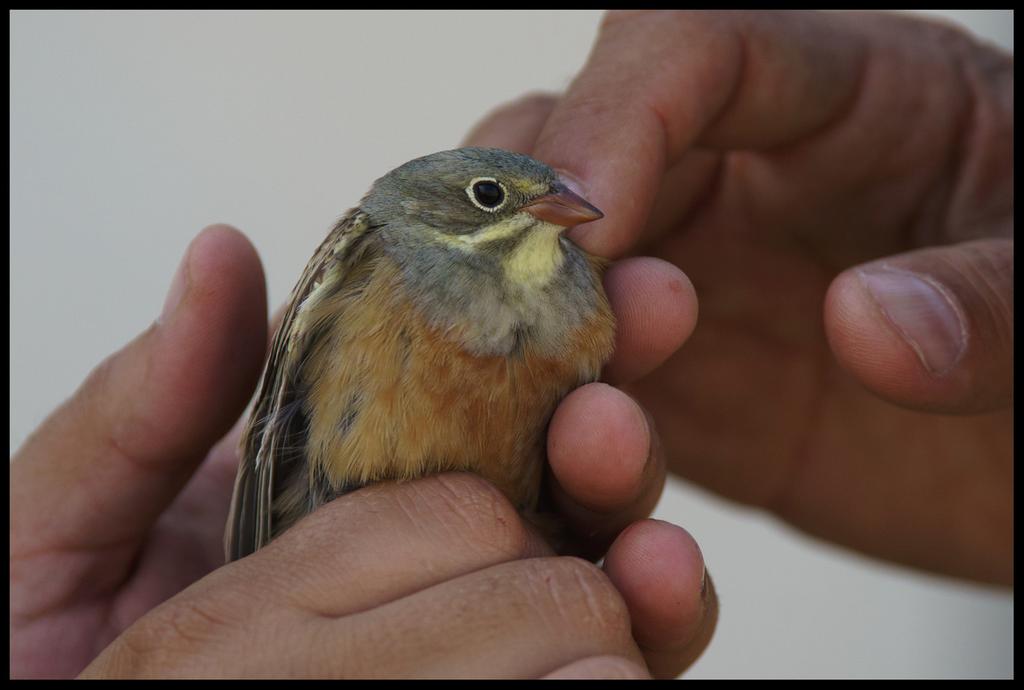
418	343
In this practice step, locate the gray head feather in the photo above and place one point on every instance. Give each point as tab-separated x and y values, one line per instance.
431	190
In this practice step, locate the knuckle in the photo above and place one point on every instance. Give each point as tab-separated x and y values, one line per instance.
985	270
181	636
991	270
133	650
98	380
477	512
597	105
162	639
188	623
583	594
98	389
533	102
102	400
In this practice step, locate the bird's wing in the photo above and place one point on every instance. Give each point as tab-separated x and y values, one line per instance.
273	441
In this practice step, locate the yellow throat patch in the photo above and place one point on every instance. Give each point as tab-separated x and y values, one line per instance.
537	258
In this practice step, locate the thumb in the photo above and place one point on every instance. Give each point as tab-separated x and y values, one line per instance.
931	329
100	470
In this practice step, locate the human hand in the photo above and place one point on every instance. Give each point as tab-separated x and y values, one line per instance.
433	578
838	187
118	504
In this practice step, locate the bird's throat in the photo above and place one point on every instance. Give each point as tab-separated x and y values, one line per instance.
536	259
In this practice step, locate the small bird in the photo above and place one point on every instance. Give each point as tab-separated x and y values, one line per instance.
435	329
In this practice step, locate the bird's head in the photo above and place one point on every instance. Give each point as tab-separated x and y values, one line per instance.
479	236
486	202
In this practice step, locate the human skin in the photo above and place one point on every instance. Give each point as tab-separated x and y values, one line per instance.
436	578
797	393
839	189
118	504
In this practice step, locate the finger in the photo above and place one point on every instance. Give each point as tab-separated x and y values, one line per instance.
222	463
520	619
207	496
391	540
659	570
655	309
104	465
516	125
434	577
930	329
600	667
682	190
723	79
513	126
654	302
606	465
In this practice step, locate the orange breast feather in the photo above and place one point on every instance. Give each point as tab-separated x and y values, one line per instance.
395	399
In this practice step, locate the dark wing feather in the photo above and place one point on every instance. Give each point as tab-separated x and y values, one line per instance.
273	441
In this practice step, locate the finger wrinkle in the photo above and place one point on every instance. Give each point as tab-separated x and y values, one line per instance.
120	421
739	57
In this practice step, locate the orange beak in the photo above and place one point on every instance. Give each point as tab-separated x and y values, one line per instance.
563	207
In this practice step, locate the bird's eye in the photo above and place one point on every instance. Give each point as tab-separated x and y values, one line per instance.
487	193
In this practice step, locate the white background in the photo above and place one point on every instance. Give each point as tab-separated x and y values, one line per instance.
132	131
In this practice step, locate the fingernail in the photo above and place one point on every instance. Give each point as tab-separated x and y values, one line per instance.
179	286
923	312
574	183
